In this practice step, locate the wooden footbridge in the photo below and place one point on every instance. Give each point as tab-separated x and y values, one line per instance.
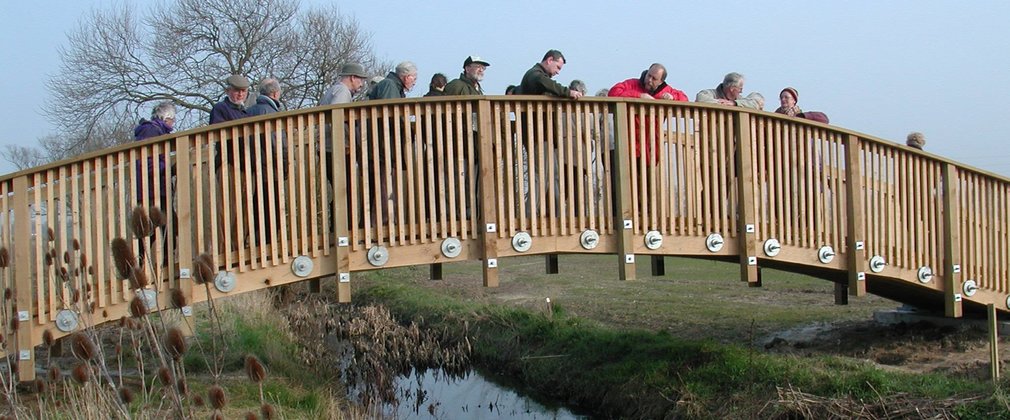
432	181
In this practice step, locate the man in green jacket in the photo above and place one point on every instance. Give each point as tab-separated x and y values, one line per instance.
469	80
537	80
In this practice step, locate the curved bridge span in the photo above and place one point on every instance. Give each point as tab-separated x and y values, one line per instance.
331	191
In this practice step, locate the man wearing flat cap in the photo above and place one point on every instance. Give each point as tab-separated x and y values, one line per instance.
352	79
468	82
232	107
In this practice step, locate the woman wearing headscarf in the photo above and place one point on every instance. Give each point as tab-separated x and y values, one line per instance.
788	98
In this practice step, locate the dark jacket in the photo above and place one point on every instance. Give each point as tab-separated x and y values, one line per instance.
389	88
226	111
264	105
147	129
434	92
536	81
463	86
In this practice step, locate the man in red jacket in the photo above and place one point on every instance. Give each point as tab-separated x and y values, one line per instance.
652	85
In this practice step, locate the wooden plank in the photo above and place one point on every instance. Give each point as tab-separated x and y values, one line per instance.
951	242
303	207
184	210
41	309
97	250
994	358
23	278
340	204
855	243
313	138
489	249
622	193
745	190
396	210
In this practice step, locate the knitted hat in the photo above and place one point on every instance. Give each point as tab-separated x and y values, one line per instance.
796	95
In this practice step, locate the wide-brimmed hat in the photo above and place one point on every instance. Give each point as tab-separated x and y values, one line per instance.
475	59
237	81
353	69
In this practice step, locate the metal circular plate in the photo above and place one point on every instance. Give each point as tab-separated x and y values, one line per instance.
302	266
970	287
589	239
825	254
925	274
378	255
653	239
224	281
714	242
772	247
150	298
451	247
522	242
1008	302
67	320
877	264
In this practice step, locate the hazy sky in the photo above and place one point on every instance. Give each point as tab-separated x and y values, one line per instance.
883	68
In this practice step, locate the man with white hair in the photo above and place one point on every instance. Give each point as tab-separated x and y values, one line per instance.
352	80
468	82
397	83
269	100
730	92
232	107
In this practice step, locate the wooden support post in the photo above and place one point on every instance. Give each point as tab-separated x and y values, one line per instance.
746	204
315	286
993	342
841	293
658	265
951	243
436	271
622	193
338	164
855	254
24	351
488	172
551	262
184	222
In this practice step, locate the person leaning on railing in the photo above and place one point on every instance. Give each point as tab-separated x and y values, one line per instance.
787	102
352	79
468	84
729	93
651	85
395	86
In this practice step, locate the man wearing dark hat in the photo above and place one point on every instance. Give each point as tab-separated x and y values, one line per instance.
233	106
352	79
468	82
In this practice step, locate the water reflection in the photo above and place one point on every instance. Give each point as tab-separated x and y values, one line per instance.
434	395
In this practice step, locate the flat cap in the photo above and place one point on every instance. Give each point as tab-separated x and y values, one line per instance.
237	81
353	69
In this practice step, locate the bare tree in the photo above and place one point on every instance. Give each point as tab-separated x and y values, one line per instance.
120	61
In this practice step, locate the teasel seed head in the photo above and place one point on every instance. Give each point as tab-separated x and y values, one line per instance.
178	298
165	376
82	347
175	343
142	226
182	386
123	257
254	369
137	307
76	244
66	257
50	235
47	338
139	280
268	412
40	385
55	375
5	257
125	395
198	400
217	397
251	416
81	374
157	217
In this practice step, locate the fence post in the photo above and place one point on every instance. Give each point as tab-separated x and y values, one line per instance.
746	205
951	243
855	255
184	217
338	165
488	195
622	193
25	349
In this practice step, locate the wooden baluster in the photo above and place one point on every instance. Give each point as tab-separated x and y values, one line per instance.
855	245
23	280
622	193
341	138
745	205
951	242
184	214
488	173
